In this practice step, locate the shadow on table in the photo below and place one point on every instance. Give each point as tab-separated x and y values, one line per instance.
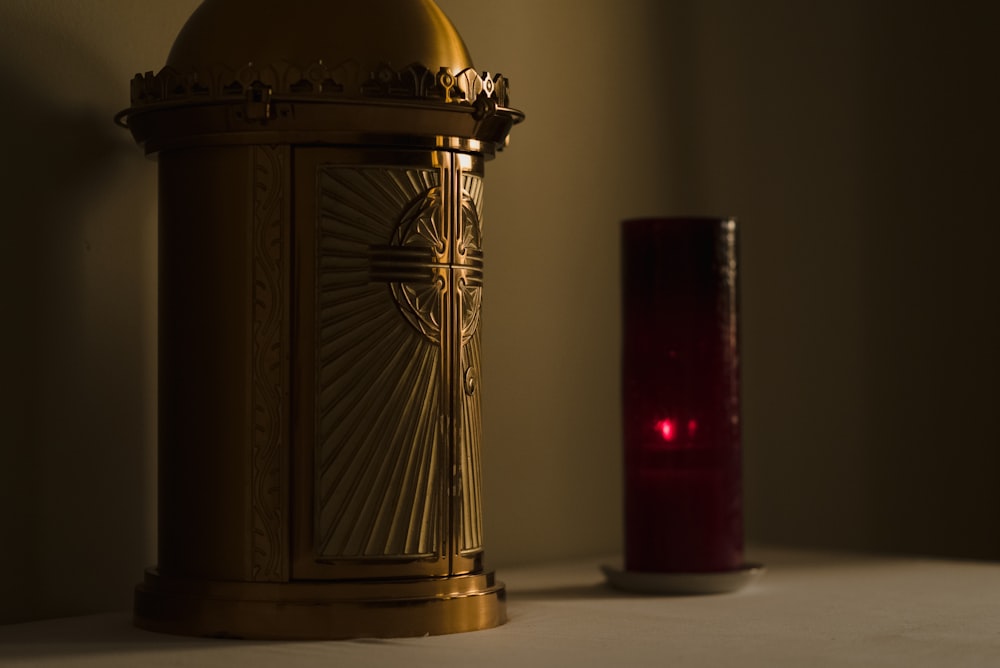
96	634
597	590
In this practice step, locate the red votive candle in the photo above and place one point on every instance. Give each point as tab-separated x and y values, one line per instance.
680	396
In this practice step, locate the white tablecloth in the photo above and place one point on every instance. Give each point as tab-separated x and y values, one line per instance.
810	609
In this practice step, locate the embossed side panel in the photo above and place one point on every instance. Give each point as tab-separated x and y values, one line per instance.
269	452
469	285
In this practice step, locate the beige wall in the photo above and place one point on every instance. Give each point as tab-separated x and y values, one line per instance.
856	144
78	245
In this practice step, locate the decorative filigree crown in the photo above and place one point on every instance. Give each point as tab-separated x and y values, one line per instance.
318	82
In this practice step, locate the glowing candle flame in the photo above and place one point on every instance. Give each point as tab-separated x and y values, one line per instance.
667	429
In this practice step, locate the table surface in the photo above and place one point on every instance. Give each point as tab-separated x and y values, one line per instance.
809	609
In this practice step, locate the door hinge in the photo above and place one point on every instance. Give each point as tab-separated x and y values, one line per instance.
258	105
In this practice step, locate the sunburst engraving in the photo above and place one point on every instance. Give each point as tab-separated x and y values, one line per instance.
399	292
379	439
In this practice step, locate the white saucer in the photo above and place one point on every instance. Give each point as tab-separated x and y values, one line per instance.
682	584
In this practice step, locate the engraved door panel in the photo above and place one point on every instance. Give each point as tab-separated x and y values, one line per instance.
382	422
468	273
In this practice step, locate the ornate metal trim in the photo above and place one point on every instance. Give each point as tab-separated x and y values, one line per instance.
318	82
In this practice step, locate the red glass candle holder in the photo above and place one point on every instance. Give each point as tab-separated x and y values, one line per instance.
681	396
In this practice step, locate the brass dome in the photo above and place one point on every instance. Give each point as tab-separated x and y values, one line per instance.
320	71
398	33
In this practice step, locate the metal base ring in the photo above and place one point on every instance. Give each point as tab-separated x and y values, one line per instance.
320	610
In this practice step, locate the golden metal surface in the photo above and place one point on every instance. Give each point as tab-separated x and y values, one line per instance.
393	257
382	72
279	103
321	178
372	32
320	610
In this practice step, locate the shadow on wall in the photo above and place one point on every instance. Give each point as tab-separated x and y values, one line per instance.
857	144
930	258
75	282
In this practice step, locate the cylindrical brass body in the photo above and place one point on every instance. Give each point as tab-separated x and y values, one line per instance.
320	293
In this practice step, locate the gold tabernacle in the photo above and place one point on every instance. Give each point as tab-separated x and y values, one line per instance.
321	194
